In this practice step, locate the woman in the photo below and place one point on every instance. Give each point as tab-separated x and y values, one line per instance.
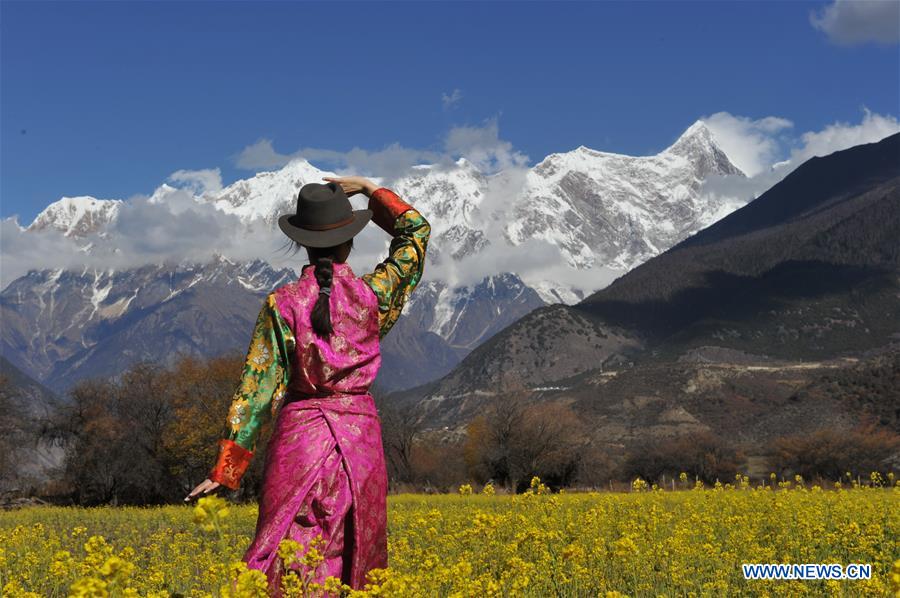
313	355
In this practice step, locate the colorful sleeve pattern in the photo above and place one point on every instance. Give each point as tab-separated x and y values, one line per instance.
396	277
262	387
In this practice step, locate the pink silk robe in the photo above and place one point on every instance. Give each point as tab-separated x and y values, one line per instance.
325	471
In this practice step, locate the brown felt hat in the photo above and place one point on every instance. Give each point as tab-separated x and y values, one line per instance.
324	216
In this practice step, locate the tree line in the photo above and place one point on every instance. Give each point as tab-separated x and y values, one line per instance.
149	435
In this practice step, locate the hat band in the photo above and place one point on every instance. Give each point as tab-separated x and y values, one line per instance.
327	226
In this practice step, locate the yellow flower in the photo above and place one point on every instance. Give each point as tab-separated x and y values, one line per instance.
333	585
62	564
895	578
88	587
116	568
312	557
287	551
573	544
252	584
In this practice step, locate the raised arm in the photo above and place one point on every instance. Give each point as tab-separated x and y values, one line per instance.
396	277
263	383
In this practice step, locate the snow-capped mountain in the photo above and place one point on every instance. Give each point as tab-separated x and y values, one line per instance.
620	210
585	209
77	216
598	208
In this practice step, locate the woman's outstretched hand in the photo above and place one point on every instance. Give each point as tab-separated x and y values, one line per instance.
204	487
353	184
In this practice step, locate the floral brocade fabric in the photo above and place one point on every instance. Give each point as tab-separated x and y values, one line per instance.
396	277
287	359
325	474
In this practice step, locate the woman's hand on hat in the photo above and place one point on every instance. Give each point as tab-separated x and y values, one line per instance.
353	184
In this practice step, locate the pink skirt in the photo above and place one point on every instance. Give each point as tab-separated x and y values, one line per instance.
325	475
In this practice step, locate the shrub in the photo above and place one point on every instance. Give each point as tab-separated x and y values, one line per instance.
701	455
831	452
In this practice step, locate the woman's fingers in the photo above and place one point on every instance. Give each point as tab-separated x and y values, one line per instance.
350	185
194	492
205	487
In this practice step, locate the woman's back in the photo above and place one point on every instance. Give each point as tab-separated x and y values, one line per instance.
347	361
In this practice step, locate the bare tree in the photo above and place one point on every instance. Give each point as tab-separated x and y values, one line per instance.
400	428
516	438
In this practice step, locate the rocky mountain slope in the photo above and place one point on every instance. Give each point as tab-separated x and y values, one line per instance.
810	270
28	457
60	326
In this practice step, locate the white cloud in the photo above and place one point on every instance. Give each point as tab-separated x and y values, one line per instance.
851	22
393	160
838	136
775	156
173	227
480	145
483	147
390	162
260	156
452	99
751	144
535	261
200	182
22	250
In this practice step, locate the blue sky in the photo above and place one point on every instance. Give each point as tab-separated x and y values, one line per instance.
109	99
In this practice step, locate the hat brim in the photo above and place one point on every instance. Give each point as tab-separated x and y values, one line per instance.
325	238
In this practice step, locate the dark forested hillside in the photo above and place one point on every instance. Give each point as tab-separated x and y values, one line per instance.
820	280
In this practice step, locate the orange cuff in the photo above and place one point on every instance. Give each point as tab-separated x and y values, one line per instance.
231	465
386	206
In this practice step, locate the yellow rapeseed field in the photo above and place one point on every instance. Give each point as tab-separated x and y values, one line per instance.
647	542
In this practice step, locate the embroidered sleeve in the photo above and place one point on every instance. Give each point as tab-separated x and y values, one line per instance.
396	277
263	382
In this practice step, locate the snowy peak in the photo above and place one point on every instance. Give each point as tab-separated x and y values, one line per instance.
696	133
615	210
698	144
77	216
268	194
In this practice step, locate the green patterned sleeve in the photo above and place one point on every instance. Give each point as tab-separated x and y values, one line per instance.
264	379
395	278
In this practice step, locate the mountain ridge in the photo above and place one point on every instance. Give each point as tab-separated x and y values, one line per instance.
822	282
605	194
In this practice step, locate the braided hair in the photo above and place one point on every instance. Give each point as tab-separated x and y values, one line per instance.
322	259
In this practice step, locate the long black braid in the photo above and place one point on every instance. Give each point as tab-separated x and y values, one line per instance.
321	313
323	260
